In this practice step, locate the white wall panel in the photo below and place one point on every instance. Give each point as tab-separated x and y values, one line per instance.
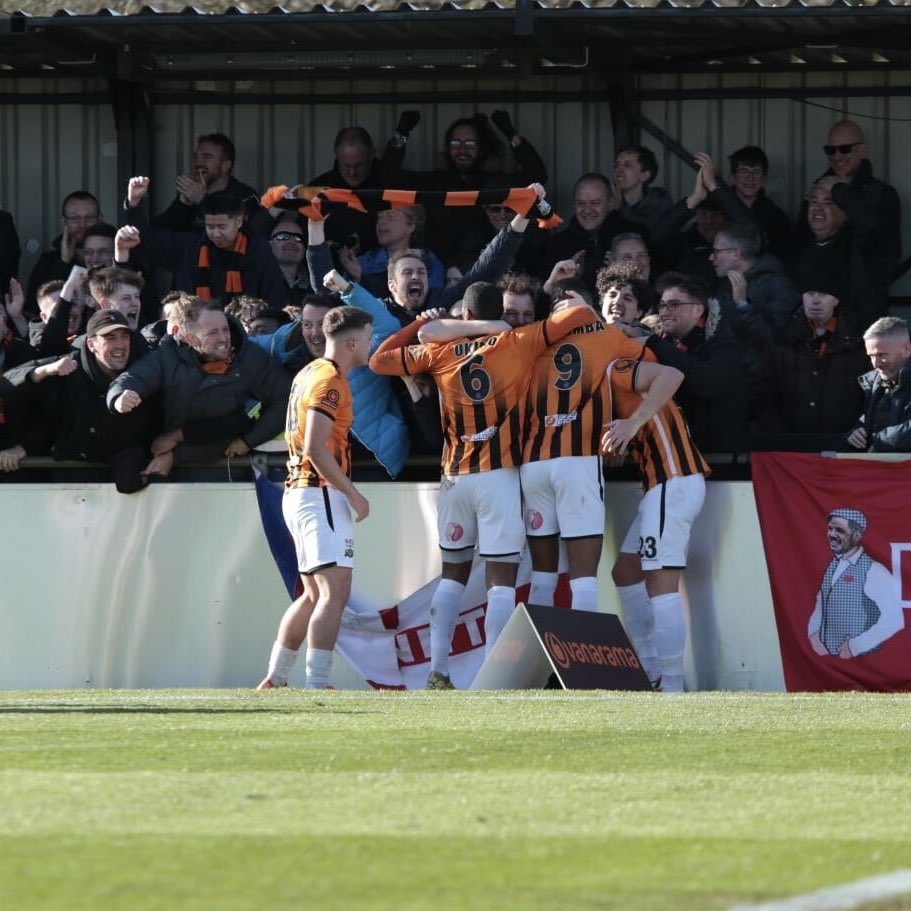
175	586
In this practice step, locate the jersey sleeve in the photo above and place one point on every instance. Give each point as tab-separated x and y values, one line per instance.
327	396
627	348
406	361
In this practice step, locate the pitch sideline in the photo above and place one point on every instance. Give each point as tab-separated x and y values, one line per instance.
841	898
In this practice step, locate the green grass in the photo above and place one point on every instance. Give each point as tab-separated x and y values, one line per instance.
224	800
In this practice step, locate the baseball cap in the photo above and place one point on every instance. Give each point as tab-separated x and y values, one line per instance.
105	321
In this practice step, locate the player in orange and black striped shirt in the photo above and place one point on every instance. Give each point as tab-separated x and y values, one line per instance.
561	471
317	498
482	382
653	554
482	379
322	386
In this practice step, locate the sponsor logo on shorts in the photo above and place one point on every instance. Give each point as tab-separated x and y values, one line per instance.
454	532
485	434
349	547
330	399
558	420
533	519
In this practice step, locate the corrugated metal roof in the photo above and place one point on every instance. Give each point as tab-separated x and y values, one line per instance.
49	8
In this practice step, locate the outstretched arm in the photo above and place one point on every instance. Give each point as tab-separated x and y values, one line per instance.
439	331
389	358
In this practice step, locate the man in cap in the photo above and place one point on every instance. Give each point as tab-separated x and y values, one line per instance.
68	396
857	606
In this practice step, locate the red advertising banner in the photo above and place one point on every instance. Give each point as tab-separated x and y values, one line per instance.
837	539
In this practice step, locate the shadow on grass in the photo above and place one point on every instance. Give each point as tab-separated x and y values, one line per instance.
158	710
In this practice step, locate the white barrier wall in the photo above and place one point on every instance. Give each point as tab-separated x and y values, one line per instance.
175	586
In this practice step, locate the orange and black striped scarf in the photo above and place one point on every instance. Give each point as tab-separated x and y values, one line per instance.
318	201
233	281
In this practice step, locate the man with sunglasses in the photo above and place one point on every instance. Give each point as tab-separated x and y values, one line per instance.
289	244
869	243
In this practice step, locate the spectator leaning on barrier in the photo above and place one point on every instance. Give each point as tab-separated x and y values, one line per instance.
222	396
885	424
69	415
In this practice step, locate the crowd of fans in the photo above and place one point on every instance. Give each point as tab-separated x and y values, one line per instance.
774	320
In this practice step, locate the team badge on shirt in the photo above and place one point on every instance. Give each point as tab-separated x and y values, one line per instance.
330	399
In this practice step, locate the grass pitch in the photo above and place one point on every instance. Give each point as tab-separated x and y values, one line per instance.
223	800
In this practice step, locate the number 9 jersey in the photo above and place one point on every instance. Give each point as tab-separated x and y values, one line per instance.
564	410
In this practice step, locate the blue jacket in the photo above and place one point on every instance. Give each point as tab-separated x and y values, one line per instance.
378	422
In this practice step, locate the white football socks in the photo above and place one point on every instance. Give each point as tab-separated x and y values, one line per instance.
585	593
319	666
281	663
501	601
670	639
543	586
444	614
640	625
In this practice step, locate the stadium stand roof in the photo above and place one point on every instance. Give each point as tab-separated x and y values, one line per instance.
598	36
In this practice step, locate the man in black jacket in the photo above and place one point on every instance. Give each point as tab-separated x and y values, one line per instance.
885	425
67	398
695	340
589	233
213	167
222	396
867	245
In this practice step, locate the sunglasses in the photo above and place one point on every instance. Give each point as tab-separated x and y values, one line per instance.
288	235
463	143
498	210
843	149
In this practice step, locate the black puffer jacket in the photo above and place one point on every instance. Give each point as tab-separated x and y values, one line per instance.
713	395
896	435
68	417
191	396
